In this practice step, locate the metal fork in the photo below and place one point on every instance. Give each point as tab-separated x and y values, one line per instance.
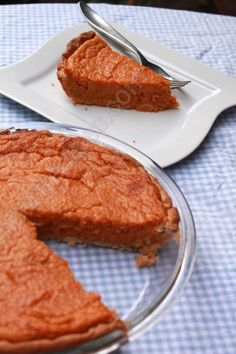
103	27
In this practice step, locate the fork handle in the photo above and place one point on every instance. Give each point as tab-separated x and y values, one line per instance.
103	27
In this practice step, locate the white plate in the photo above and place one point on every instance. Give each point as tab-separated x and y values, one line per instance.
166	137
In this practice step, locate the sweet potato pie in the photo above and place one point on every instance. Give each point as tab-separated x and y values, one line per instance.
92	73
72	190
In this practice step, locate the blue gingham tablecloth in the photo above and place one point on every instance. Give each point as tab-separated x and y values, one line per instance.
204	319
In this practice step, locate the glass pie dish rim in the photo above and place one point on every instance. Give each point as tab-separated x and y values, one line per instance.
187	244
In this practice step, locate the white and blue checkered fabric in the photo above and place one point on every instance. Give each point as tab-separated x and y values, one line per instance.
204	319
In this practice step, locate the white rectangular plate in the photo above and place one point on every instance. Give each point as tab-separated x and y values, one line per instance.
166	137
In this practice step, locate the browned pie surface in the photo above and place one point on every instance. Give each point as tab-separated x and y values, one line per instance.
63	186
92	73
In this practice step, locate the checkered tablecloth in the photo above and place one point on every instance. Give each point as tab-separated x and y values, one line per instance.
204	319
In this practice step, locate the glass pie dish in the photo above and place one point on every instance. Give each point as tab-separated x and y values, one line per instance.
141	296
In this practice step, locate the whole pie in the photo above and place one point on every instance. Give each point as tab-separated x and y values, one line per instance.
92	73
72	190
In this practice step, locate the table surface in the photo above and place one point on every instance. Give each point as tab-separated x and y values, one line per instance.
204	319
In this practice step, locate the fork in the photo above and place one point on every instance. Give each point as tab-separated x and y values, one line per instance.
104	28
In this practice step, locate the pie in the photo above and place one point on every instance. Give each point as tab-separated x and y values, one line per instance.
92	73
75	191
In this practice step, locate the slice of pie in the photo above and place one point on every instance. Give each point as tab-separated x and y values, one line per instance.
92	73
75	191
